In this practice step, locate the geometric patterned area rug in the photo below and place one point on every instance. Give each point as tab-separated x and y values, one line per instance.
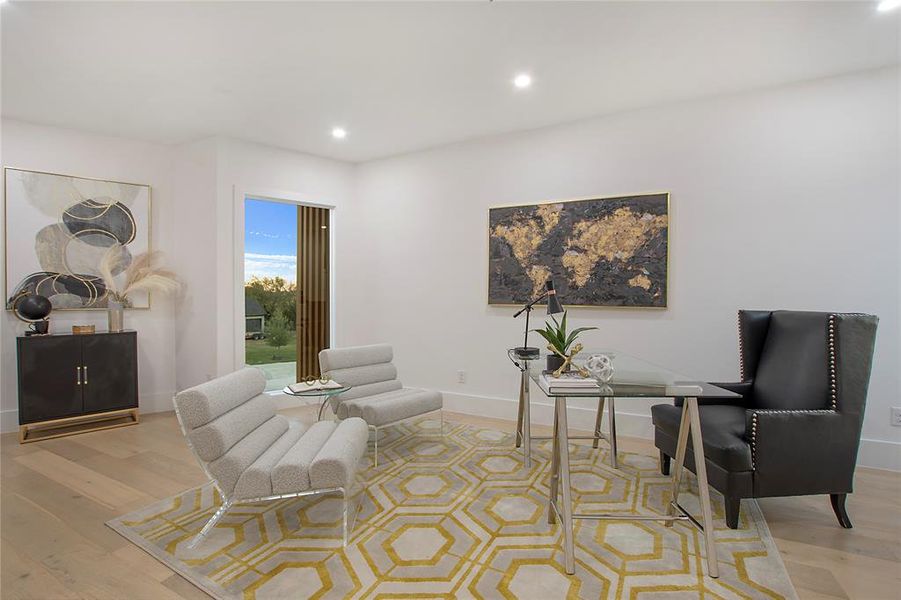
456	516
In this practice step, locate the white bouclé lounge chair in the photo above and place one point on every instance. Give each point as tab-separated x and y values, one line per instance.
252	454
377	396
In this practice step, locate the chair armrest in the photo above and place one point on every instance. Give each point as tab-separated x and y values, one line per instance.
801	451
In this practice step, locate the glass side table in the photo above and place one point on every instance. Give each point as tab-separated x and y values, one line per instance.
324	394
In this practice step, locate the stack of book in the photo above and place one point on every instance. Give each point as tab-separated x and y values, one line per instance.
568	382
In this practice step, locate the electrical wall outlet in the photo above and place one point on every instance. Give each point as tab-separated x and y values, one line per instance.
896	416
461	377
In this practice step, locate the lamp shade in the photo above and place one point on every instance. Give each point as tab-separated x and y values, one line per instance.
553	304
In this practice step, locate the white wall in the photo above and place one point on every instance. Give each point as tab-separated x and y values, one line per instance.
57	150
195	186
783	198
786	198
194	254
212	177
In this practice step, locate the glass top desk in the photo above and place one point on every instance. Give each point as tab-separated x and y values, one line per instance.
632	378
524	435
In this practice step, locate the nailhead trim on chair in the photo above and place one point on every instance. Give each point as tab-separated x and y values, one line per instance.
777	411
833	356
833	389
741	350
833	381
753	440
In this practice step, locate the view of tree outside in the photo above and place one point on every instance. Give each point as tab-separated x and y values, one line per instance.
278	298
270	288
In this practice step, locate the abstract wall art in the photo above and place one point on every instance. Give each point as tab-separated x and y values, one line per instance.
59	227
598	251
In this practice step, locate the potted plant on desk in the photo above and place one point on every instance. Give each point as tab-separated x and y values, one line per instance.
559	342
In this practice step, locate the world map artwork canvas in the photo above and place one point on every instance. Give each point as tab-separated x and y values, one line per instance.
598	252
59	228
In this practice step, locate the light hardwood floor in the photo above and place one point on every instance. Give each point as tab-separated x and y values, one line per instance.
56	495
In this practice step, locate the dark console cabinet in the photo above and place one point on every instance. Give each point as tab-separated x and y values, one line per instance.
68	382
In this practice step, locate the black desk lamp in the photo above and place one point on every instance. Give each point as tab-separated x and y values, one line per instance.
553	308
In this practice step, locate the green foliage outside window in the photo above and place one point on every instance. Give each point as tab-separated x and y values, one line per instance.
277	332
277	296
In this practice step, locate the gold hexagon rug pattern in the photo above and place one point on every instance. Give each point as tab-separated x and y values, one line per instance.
457	516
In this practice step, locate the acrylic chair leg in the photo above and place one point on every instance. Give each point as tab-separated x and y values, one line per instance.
344	515
220	512
375	458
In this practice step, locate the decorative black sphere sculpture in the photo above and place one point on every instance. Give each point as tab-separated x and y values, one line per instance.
34	310
33	307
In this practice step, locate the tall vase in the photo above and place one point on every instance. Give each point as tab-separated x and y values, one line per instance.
115	315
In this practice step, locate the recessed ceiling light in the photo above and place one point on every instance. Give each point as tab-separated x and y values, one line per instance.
887	5
524	80
339	133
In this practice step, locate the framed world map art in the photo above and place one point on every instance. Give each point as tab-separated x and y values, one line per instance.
598	251
60	227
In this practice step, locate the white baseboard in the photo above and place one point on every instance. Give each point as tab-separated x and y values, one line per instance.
147	403
154	403
877	454
9	420
579	417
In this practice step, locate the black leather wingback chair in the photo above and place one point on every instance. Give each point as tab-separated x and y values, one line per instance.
796	429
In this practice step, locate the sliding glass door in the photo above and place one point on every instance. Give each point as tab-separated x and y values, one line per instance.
286	288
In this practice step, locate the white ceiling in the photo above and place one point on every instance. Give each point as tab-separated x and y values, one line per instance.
405	76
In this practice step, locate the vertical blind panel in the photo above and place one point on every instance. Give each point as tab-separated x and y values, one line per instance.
312	288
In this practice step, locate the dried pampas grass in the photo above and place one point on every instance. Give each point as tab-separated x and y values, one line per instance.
143	274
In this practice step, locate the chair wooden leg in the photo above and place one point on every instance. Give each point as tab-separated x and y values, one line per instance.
733	509
664	464
838	506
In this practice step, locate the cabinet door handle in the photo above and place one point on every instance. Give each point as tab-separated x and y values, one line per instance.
85	374
77	375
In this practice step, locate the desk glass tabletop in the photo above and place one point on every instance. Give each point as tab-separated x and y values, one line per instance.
632	378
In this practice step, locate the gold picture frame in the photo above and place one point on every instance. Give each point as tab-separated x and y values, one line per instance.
663	196
8	290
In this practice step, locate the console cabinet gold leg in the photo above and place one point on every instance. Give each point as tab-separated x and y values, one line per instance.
45	430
